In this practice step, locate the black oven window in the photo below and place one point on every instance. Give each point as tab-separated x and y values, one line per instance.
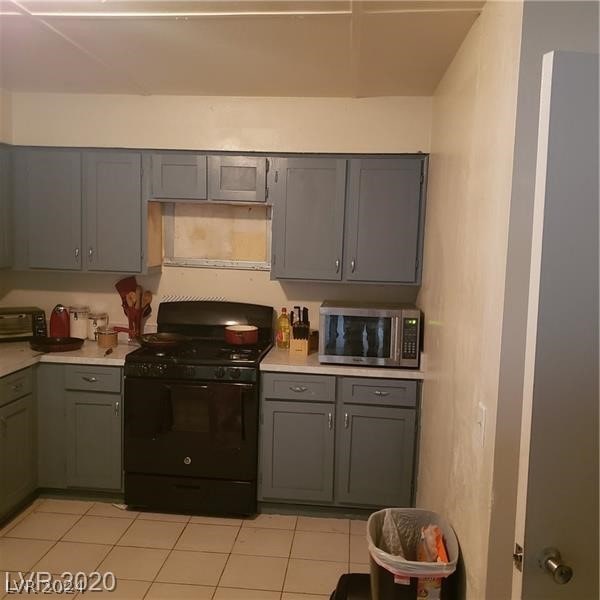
358	336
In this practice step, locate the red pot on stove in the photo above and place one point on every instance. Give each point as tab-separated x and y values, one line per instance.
241	335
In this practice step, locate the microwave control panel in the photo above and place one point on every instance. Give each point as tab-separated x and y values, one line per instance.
410	338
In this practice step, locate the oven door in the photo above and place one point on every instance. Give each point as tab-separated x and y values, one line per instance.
191	429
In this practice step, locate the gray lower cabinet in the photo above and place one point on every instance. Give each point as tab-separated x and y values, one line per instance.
297	451
308	216
5	209
78	210
350	443
366	432
80	427
18	474
384	220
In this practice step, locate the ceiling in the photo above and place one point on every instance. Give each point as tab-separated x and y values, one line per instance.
221	48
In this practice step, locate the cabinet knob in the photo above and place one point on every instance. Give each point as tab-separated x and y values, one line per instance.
76	251
346	420
329	420
89	379
91	254
117	408
352	265
380	393
337	265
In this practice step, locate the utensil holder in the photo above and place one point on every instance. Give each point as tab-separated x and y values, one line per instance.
134	317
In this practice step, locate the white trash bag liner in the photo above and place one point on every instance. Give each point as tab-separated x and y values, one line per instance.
393	535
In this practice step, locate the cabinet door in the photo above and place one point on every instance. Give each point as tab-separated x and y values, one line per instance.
375	456
52	426
17	452
94	440
383	220
179	176
297	451
5	212
237	178
48	203
113	211
308	217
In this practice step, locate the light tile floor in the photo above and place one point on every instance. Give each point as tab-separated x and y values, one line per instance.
160	556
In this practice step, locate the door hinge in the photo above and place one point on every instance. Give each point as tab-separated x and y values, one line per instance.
518	557
266	193
268	165
422	177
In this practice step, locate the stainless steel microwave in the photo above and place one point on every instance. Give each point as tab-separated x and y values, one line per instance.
384	335
21	323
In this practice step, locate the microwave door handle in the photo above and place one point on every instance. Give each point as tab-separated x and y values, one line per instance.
397	340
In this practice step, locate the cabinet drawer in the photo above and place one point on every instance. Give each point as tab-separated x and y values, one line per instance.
383	392
15	386
291	386
93	379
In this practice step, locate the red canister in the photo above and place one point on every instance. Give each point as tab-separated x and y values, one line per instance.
59	322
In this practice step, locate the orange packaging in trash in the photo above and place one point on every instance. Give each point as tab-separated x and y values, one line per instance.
431	548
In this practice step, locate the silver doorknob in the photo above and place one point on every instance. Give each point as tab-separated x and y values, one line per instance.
550	561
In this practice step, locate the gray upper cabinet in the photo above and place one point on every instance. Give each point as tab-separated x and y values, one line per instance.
237	178
113	207
179	176
78	210
297	451
308	216
5	210
375	454
48	209
383	220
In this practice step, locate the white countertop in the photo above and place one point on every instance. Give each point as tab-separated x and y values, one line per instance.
282	361
18	355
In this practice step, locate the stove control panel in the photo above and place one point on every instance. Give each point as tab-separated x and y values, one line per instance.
194	372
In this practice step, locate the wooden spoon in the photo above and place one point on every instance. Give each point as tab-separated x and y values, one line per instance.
146	298
130	299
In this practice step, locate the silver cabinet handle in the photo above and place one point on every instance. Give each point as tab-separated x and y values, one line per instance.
89	379
346	420
298	388
91	254
329	421
380	393
337	265
352	265
76	254
17	386
117	408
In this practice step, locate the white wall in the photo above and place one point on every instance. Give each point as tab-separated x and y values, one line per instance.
394	124
547	26
244	124
463	279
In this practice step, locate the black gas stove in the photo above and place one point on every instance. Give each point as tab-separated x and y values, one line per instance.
197	359
191	412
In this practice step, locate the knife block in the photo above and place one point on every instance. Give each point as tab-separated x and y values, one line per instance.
304	347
